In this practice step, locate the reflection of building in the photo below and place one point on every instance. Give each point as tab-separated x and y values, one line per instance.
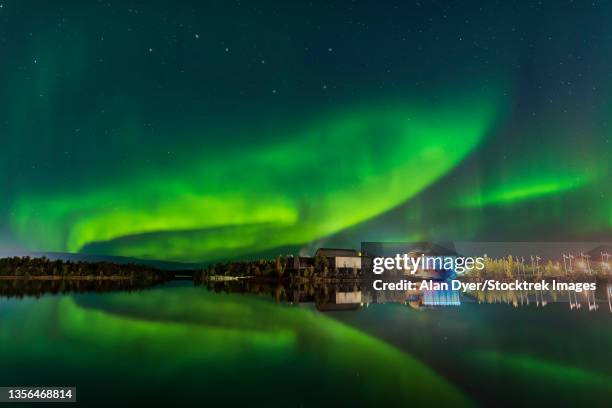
348	297
343	301
441	298
432	298
416	299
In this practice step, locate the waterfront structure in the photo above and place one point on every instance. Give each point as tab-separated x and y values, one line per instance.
341	258
337	260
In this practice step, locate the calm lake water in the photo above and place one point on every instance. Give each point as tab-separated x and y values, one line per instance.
188	345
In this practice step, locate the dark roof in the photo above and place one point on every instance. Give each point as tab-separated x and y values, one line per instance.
334	252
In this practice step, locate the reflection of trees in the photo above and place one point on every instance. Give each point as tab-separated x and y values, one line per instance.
519	298
25	276
287	292
20	288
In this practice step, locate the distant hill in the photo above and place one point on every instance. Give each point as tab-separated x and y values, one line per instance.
165	265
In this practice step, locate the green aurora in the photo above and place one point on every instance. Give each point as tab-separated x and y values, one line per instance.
333	175
169	331
164	133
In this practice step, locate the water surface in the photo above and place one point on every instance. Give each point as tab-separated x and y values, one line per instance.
188	344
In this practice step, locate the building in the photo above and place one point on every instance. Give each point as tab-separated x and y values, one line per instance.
297	263
341	258
340	262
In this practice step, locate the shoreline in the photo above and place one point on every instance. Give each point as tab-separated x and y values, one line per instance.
58	278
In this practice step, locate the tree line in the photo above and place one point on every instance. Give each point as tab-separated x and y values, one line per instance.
258	268
26	267
277	268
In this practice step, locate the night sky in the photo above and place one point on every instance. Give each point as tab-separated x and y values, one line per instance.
195	131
